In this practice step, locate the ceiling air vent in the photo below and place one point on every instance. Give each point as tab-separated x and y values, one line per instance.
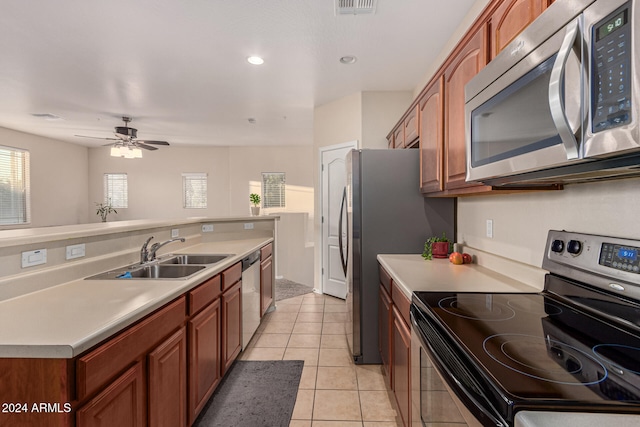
355	7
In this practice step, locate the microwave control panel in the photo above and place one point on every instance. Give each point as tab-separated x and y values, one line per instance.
611	71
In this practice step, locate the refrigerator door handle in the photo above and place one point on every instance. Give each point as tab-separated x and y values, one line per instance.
343	257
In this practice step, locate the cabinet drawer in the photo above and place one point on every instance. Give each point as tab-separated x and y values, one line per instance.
107	361
231	275
385	279
204	294
266	251
401	301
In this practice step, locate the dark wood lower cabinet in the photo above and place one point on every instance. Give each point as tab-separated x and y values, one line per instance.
401	360
204	357
385	321
231	325
122	403
168	382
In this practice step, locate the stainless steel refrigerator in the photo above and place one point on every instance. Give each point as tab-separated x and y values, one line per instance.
384	213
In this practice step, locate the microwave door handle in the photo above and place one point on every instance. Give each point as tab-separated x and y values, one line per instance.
556	98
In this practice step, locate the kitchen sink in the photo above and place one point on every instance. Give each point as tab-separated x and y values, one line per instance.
201	259
152	271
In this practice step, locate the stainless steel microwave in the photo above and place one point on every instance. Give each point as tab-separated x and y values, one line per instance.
560	103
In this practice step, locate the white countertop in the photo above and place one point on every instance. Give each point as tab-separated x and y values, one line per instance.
414	273
65	320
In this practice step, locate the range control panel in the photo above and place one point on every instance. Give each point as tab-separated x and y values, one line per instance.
601	261
621	257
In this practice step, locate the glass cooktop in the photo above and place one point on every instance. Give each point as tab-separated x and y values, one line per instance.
539	350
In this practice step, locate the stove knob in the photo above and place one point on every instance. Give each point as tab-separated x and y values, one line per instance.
557	246
574	247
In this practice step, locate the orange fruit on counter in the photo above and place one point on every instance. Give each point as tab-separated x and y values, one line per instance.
456	258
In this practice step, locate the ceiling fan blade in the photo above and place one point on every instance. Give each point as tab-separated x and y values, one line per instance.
97	137
154	142
140	144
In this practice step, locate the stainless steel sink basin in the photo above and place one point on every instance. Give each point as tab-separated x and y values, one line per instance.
153	271
202	259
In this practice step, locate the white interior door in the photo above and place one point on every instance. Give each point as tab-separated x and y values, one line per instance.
333	184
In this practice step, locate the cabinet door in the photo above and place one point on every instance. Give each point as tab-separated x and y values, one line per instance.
411	126
385	321
266	285
509	19
398	136
231	325
204	357
431	137
122	403
464	65
168	382
402	366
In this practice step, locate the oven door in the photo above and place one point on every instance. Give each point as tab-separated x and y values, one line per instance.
531	116
432	352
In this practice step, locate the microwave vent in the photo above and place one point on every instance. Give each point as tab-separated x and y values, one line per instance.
355	7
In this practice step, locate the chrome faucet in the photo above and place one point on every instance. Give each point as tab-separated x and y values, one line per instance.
144	253
156	246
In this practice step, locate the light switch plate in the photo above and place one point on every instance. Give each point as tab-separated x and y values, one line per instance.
207	228
490	228
248	226
75	251
31	258
175	232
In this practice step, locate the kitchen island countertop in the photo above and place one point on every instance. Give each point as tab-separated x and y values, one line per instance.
65	320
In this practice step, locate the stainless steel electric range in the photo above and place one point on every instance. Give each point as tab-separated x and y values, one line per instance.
573	347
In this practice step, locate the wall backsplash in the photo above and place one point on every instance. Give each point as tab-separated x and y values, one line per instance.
521	221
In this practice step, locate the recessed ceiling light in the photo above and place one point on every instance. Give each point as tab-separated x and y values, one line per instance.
255	60
349	59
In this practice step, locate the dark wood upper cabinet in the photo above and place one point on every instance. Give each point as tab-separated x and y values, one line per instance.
509	19
431	111
464	65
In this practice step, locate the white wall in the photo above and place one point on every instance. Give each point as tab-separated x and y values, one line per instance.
155	181
59	187
246	165
521	221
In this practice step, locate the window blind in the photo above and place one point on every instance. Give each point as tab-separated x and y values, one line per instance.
273	190
194	190
15	202
116	190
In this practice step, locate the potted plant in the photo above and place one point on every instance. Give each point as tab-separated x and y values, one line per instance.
436	247
255	199
105	209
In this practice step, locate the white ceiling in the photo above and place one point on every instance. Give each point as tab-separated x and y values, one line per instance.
179	68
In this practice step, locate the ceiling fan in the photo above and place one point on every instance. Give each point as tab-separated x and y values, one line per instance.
126	138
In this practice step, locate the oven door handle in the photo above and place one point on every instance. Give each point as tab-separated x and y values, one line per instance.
449	377
556	86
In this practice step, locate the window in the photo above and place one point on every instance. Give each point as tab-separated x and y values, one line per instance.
273	190
15	202
194	190
116	190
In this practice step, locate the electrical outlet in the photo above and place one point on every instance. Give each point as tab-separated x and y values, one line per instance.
490	228
75	251
248	226
207	228
31	258
175	233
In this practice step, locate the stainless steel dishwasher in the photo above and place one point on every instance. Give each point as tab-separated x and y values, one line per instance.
250	296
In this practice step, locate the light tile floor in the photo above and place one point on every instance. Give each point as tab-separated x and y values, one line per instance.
333	390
